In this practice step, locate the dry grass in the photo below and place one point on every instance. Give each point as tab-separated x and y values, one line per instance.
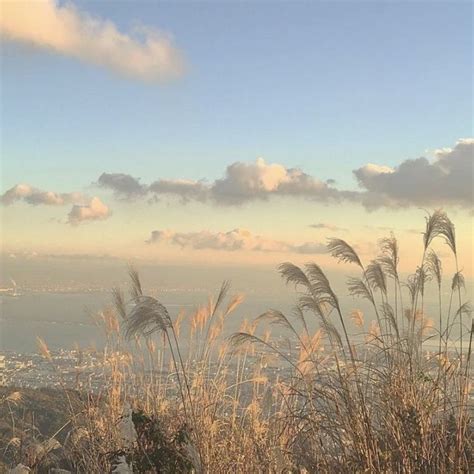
372	403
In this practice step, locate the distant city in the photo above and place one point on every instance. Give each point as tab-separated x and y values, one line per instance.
76	369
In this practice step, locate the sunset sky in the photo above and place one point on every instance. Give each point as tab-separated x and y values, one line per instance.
233	132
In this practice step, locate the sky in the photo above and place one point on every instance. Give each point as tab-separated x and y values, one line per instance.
234	133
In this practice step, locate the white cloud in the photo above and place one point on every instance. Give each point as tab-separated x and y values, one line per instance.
251	181
83	208
448	180
370	170
234	240
34	196
93	211
146	54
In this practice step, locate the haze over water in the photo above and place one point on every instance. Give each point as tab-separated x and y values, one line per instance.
57	298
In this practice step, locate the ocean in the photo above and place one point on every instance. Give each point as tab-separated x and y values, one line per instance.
66	319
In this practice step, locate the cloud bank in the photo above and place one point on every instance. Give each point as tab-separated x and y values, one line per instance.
445	181
146	54
448	180
242	183
234	240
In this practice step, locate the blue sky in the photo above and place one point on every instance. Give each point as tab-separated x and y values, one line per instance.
326	87
319	89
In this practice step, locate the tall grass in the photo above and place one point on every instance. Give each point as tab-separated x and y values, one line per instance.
338	399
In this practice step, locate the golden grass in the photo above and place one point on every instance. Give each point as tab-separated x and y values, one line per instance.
373	403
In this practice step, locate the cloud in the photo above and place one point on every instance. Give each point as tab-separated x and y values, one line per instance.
128	187
146	54
186	190
308	248
334	228
79	256
34	196
242	182
93	211
447	180
258	181
123	185
234	240
28	254
83	208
